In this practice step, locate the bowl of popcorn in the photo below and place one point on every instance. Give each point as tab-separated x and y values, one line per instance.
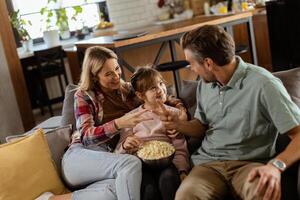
156	154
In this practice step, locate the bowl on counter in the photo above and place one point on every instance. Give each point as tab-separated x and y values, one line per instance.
104	32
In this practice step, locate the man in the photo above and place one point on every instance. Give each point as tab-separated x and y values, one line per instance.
240	108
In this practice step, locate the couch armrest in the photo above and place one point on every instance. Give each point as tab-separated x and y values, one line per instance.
49	124
289	183
298	183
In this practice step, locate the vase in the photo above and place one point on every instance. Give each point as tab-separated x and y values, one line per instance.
163	13
65	34
27	45
51	38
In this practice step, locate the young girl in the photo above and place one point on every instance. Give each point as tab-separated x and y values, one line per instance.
150	88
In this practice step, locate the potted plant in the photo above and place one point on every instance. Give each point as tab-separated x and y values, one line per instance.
76	17
62	20
62	23
50	34
19	24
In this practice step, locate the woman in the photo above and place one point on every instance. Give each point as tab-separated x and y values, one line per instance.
100	103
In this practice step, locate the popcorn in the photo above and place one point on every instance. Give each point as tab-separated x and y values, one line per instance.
154	150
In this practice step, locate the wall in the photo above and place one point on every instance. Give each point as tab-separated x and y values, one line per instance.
128	14
10	118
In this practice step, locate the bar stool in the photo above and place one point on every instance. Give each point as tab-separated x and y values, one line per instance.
240	49
174	67
50	63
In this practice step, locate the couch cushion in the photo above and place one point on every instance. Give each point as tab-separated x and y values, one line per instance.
291	81
49	124
188	95
27	169
58	140
68	116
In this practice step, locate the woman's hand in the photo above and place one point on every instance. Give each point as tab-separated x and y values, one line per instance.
130	120
131	143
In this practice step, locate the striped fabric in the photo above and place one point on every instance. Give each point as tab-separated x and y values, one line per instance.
88	107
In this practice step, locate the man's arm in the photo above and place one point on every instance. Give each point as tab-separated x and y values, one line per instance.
172	120
270	175
192	128
292	152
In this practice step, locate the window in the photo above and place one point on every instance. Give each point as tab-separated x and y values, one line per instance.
30	10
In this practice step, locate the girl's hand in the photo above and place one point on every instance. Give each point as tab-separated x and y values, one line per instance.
131	143
130	120
183	115
172	133
183	112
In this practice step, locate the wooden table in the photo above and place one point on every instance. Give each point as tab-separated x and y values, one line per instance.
168	35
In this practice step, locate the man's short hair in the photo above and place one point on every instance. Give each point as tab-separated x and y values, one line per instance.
210	41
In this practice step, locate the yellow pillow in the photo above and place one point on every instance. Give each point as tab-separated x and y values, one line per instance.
27	170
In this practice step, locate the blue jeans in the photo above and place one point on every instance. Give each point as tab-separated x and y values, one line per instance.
108	176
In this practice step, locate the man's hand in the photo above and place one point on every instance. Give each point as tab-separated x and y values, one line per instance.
168	117
269	179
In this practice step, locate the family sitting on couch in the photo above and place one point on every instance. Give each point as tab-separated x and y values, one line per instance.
241	108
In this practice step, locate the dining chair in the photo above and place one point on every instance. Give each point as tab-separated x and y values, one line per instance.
50	63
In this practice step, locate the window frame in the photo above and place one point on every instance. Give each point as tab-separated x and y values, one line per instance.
101	6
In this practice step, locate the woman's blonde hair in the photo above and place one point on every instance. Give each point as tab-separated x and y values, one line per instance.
93	61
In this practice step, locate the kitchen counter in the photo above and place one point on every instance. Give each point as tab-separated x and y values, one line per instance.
160	31
152	47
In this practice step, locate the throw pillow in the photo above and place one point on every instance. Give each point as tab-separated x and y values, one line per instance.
68	116
58	140
27	169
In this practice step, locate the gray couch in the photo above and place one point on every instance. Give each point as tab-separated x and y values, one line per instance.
59	128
